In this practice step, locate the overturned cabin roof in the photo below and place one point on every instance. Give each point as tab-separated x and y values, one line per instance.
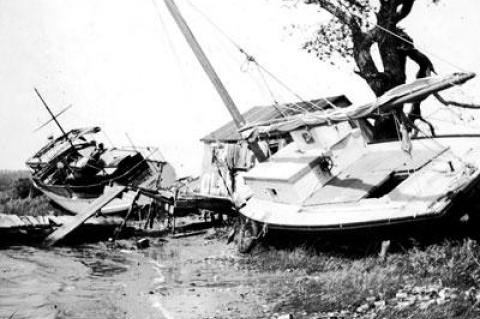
228	133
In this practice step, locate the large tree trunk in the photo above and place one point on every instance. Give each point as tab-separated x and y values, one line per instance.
394	45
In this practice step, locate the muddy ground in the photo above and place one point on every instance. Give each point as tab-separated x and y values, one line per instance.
201	276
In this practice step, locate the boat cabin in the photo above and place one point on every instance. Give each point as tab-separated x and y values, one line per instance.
226	152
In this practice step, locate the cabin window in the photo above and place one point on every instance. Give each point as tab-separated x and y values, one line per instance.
273	147
308	137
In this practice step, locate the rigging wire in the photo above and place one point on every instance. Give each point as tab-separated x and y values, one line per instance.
405	40
233	57
250	58
272	95
171	45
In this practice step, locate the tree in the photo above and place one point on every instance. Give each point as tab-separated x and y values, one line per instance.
351	33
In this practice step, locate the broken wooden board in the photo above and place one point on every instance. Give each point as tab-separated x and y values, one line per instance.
79	219
15	222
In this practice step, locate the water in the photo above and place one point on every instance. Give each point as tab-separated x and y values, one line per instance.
84	282
179	278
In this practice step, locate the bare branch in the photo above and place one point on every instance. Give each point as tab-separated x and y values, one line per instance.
455	103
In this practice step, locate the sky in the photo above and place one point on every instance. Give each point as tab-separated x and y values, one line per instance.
123	65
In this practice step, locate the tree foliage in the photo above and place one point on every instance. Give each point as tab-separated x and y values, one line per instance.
355	27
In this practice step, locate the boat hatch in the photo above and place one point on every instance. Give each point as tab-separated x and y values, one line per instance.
374	174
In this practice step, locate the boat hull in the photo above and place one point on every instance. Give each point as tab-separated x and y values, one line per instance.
432	192
76	205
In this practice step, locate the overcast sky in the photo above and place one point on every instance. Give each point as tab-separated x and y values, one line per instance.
124	66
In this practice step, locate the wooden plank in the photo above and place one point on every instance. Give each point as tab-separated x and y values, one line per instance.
44	221
55	220
79	219
32	221
26	221
9	221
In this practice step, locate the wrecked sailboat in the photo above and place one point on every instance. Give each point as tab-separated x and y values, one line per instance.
332	177
335	175
74	169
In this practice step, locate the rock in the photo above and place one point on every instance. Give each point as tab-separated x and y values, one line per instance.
380	304
401	295
441	301
426	304
432	291
363	308
286	316
465	218
371	299
418	290
447	293
143	243
423	298
405	304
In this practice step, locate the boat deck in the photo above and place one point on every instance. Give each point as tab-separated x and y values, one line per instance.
371	170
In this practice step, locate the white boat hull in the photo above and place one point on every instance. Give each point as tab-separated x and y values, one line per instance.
428	193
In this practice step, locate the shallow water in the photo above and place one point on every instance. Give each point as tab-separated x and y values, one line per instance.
84	282
180	278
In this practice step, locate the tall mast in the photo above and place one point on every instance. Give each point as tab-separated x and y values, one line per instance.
212	75
54	117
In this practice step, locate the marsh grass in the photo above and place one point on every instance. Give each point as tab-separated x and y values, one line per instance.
326	281
38	206
19	197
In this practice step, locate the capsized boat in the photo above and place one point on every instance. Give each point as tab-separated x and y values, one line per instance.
332	177
74	169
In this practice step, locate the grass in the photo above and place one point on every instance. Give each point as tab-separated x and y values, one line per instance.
19	197
332	280
38	206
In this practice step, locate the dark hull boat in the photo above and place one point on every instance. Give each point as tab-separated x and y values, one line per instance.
74	170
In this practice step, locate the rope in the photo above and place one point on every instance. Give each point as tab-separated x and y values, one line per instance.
275	102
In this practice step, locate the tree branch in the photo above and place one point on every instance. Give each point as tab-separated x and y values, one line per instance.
405	9
341	14
455	103
424	63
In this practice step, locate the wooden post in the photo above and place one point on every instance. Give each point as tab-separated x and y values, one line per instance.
118	230
89	211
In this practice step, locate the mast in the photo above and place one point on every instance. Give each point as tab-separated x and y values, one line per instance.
54	117
212	75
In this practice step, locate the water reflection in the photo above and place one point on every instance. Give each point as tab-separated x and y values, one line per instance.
84	282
